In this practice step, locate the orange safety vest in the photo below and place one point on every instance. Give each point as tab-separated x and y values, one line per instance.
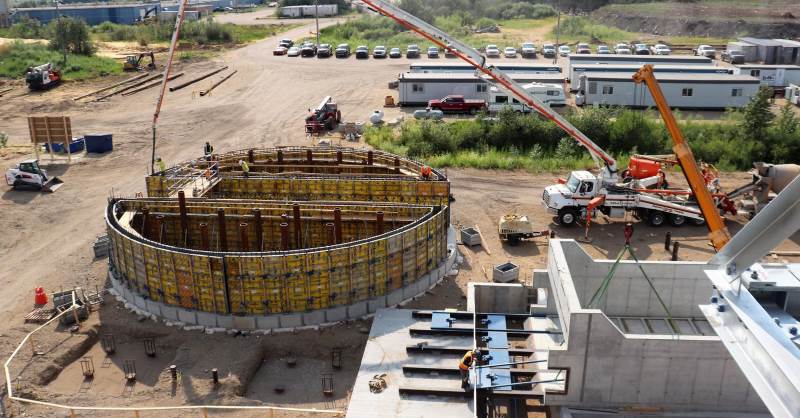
466	361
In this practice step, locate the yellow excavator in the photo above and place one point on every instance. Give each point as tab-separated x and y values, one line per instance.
134	62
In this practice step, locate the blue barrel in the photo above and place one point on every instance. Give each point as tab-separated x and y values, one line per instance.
99	143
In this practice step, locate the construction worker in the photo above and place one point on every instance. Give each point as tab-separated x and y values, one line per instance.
207	151
245	168
425	172
161	166
465	363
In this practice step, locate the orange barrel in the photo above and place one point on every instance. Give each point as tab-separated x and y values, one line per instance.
41	297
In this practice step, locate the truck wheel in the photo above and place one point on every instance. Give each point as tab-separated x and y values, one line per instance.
656	218
567	217
698	222
677	220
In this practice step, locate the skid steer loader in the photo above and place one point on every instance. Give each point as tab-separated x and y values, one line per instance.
28	175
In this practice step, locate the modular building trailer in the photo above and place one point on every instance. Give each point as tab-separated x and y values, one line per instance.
773	51
775	76
124	14
575	71
509	68
310	10
415	89
581	59
793	94
689	91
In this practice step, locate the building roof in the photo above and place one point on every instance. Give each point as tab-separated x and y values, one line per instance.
90	6
470	77
761	42
636	67
788	43
766	66
709	78
642	58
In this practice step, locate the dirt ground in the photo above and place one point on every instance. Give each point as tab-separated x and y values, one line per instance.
47	239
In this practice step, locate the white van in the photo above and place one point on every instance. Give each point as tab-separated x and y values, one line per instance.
549	94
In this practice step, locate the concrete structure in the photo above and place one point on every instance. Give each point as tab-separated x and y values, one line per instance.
773	51
510	68
415	89
575	71
125	14
775	76
690	91
582	59
343	233
310	10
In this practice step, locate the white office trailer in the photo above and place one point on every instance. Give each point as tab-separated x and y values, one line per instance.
549	94
415	89
582	59
793	94
509	68
310	10
688	91
776	76
575	71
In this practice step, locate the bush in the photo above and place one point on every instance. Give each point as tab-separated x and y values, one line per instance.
71	35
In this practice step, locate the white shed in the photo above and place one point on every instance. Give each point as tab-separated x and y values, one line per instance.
775	76
689	91
575	71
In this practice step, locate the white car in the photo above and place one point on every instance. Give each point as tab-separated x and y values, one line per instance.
293	52
564	50
603	49
706	51
622	49
528	50
660	49
510	52
492	51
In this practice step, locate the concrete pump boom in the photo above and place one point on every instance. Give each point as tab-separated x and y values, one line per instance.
474	58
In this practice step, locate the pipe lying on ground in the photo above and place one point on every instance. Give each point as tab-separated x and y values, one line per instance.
140	76
151	85
213	86
126	88
192	81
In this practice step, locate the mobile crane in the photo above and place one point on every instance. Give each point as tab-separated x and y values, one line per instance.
582	193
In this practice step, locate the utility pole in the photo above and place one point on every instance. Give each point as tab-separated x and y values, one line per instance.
558	32
316	17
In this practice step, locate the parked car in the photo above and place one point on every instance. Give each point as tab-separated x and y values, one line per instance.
293	52
603	49
622	49
660	49
428	113
379	52
510	52
705	51
528	50
455	103
733	57
279	50
433	52
324	51
288	43
448	52
641	49
362	52
343	51
492	51
308	50
395	53
412	51
549	50
564	50
583	49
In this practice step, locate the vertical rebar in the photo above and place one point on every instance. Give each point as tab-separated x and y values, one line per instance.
146	221
159	227
284	236
259	224
183	236
204	237
245	245
297	226
675	247
223	233
337	224
379	222
667	241
331	233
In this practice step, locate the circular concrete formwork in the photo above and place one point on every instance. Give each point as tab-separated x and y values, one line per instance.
210	260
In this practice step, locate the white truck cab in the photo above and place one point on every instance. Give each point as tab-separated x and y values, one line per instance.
563	200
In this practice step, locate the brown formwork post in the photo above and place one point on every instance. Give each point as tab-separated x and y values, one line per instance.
396	164
159	228
223	236
338	157
245	239
259	225
184	236
297	226
675	247
331	233
379	222
370	157
204	236
309	156
280	161
145	222
284	236
337	224
251	158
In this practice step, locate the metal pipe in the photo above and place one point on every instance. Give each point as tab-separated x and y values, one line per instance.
159	226
297	226
173	371
245	245
259	230
534	382
667	241
337	224
146	221
223	235
285	236
331	233
379	222
184	235
215	376
489	366
204	237
675	247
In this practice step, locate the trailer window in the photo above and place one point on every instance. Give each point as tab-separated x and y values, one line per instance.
418	88
480	88
515	101
687	92
552	93
736	92
592	87
755	73
501	99
608	89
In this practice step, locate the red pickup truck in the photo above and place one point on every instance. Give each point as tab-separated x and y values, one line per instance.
457	104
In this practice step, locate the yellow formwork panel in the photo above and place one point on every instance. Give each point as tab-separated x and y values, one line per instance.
235	285
140	269
423	266
409	257
274	285
378	268
339	262
330	190
153	277
169	284
218	280
318	272
253	285
130	270
408	192
296	284
201	272
184	281
359	272
394	261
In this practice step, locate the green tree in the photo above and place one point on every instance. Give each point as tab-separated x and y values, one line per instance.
784	137
757	115
71	35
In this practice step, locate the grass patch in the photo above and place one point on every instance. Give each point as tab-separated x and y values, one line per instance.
205	32
15	58
580	29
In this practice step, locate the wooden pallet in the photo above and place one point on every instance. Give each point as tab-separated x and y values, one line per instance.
39	315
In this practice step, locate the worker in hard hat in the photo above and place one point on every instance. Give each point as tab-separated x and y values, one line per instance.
161	166
464	365
245	168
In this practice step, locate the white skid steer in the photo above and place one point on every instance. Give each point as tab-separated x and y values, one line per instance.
28	174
